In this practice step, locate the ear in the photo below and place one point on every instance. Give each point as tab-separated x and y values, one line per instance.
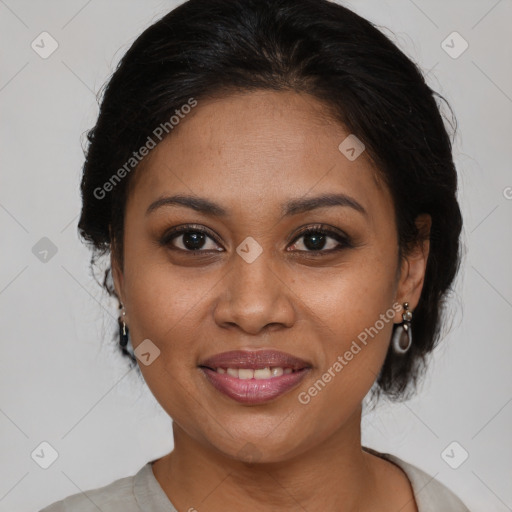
117	273
414	264
117	277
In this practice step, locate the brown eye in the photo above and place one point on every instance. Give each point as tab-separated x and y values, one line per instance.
189	239
318	239
197	239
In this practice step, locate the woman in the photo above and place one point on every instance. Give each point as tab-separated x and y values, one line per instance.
274	184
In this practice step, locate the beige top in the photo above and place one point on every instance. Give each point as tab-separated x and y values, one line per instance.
142	493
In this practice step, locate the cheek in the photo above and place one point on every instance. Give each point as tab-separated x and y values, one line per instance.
166	304
354	309
161	295
350	297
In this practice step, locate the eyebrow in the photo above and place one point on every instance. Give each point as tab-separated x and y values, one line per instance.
291	207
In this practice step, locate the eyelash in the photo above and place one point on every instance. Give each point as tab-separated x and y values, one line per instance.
319	229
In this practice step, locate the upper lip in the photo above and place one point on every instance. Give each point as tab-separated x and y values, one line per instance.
254	360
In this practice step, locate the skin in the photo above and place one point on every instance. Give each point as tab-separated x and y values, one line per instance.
250	153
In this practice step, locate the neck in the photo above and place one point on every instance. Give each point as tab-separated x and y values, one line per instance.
335	475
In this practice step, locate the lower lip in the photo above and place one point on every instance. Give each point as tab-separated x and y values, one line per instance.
254	391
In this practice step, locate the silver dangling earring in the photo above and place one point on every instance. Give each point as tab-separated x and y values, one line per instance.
123	330
402	336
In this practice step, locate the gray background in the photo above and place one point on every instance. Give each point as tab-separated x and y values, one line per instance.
63	381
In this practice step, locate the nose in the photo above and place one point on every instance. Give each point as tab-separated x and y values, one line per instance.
255	297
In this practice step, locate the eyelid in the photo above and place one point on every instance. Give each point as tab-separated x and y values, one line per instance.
342	238
180	230
325	229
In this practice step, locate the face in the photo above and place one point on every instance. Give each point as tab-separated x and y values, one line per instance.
244	276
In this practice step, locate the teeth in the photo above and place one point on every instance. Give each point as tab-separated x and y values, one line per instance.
264	373
248	373
245	374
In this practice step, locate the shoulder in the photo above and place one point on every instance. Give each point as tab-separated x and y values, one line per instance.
430	494
115	497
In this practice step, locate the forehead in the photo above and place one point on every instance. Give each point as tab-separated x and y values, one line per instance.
251	150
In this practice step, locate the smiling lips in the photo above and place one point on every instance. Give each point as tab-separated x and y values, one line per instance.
254	377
